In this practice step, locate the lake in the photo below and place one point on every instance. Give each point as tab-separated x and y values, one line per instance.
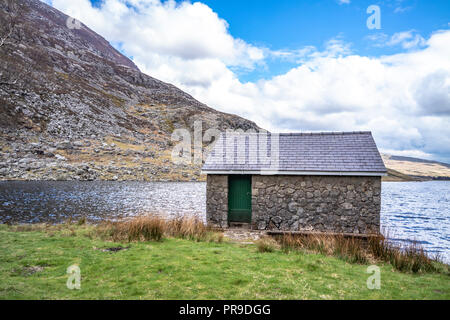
410	210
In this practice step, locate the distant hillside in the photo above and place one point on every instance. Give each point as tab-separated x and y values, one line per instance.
74	108
408	168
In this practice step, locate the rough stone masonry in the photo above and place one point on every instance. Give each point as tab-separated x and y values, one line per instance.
349	204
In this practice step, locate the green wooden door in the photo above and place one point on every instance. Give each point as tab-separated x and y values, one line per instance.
239	198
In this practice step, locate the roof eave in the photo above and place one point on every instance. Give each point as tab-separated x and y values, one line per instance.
297	173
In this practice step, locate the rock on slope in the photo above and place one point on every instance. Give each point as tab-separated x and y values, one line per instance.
73	107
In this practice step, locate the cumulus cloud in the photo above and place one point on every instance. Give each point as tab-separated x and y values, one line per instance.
402	98
433	94
152	30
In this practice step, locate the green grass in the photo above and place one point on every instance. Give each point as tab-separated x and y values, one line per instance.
184	269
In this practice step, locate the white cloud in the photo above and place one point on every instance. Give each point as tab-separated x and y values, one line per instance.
402	98
333	48
406	39
343	1
402	9
187	31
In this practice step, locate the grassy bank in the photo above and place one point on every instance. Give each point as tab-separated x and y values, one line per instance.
33	264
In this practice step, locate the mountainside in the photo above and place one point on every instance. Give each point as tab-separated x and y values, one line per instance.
73	107
414	169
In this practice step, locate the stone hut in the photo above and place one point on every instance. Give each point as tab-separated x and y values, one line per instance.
327	182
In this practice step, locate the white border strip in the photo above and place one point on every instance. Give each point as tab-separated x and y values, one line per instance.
298	173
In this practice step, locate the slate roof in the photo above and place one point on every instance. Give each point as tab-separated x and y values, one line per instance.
339	153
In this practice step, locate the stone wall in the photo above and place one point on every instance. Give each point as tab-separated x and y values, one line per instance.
217	200
316	203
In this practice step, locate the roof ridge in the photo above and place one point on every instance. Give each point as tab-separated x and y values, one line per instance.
345	152
320	133
324	133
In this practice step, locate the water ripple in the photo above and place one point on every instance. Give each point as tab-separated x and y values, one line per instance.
418	211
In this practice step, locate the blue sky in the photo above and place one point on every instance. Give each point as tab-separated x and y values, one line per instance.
292	24
297	65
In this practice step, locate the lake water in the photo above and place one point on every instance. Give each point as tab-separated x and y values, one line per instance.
410	210
418	211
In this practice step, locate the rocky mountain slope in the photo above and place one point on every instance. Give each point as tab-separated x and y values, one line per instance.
73	107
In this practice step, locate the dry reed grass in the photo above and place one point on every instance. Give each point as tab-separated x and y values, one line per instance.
154	228
266	244
191	228
409	258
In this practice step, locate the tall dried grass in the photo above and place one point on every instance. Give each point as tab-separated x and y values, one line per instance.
187	228
266	244
143	228
349	249
409	258
154	228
